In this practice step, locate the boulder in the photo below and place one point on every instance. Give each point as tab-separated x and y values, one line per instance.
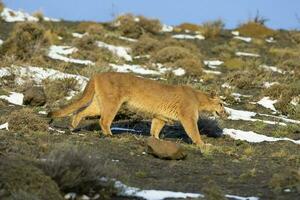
165	149
34	96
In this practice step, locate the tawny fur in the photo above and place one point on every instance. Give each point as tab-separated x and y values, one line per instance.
106	92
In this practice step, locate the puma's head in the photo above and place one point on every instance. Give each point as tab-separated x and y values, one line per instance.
218	107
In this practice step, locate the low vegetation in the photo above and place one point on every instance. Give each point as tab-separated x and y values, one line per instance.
255	30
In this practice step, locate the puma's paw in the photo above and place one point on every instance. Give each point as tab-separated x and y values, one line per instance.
204	145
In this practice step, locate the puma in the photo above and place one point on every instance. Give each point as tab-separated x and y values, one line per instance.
106	92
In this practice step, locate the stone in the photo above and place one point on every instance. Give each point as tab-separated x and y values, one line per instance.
165	149
34	96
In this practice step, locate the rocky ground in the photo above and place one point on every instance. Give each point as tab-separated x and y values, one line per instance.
254	69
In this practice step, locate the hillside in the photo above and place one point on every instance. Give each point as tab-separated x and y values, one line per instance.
254	69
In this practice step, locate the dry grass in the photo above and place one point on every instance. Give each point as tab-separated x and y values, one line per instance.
192	65
25	121
133	27
256	30
188	26
59	89
172	54
234	64
92	28
212	29
146	45
26	41
1	6
39	15
74	169
290	178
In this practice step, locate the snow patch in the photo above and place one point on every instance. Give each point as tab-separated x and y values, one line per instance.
122	52
167	28
273	69
270	40
240	198
152	194
128	39
235	33
59	52
38	74
14	98
245	39
79	35
4	126
188	37
226	85
1	42
246	54
268	84
267	103
142	70
253	137
10	15
213	63
212	72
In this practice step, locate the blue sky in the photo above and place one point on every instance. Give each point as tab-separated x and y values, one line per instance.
281	13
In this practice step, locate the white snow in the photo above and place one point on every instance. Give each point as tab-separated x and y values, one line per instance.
59	52
123	129
237	96
240	198
246	54
253	137
267	103
273	69
295	101
212	72
38	74
245	39
236	33
128	39
152	194
142	56
226	85
167	28
79	35
10	15
270	40
248	116
55	130
14	98
283	118
1	42
122	52
142	70
4	126
188	37
213	63
51	19
268	84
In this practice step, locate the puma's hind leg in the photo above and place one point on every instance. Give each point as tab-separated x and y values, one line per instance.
156	126
91	110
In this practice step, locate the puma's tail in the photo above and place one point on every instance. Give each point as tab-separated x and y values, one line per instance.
86	98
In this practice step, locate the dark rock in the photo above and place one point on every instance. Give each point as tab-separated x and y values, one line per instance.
165	149
34	96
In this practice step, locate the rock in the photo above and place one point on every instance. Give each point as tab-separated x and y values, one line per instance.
165	149
34	96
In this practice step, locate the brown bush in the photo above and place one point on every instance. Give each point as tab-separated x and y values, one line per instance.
39	15
75	169
26	40
256	30
180	43
134	27
26	120
146	45
171	54
91	27
86	43
1	6
59	89
189	27
192	65
212	29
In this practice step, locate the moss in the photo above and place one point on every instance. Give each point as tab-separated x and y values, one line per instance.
25	121
22	180
256	30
